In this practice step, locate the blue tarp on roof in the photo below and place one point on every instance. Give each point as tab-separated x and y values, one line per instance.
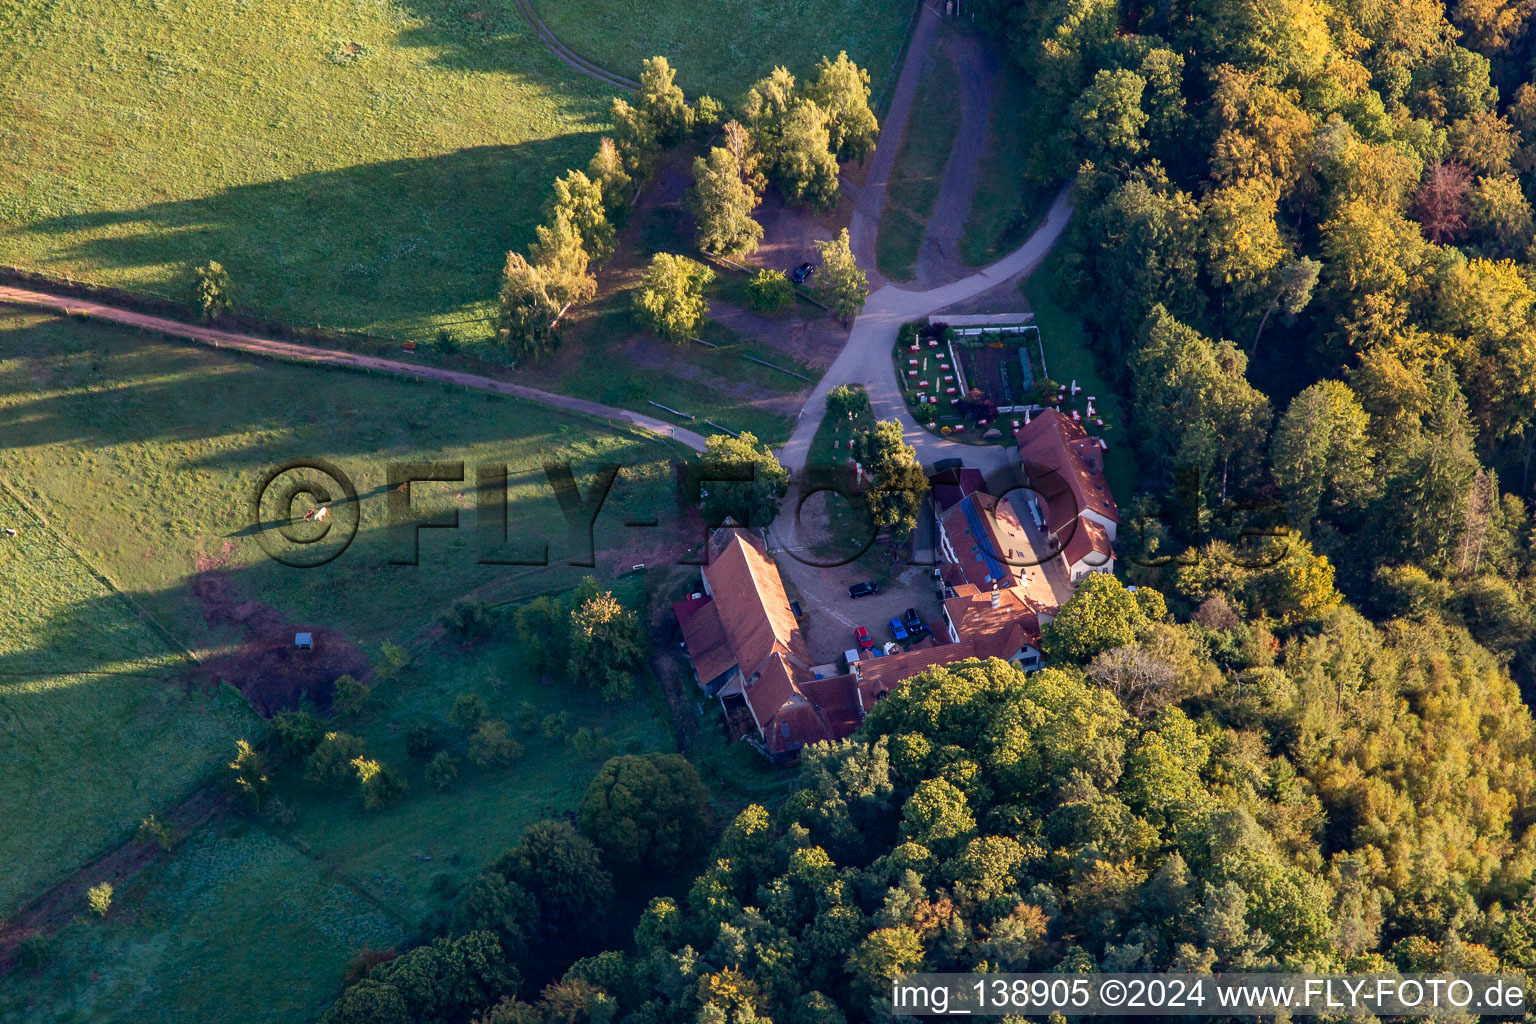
995	570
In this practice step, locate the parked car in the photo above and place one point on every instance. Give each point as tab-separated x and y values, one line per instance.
859	590
865	640
802	273
915	624
898	630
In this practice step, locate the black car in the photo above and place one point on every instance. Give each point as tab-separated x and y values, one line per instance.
802	273
915	624
859	590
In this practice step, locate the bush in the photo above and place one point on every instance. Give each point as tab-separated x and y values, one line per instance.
153	830
443	772
298	732
469	710
526	717
421	741
331	762
642	812
556	726
392	660
468	621
379	784
491	745
99	898
350	696
770	290
33	953
248	774
211	293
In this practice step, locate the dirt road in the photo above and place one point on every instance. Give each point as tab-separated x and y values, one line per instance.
350	360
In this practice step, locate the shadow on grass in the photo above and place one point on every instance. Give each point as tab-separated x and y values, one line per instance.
400	240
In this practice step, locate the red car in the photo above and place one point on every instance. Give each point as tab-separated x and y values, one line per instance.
862	636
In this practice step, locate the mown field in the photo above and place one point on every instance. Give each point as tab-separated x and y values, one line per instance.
256	921
721	47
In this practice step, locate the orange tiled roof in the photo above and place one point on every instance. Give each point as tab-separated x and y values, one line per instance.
1067	467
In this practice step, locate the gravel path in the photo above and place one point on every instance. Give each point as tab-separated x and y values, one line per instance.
938	259
870	198
331	357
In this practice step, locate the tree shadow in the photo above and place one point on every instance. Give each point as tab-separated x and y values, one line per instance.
365	245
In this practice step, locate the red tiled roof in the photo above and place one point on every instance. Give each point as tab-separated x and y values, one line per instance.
997	632
1088	541
708	647
1004	540
879	676
952	485
752	605
1063	460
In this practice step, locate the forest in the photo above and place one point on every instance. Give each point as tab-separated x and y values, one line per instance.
1300	742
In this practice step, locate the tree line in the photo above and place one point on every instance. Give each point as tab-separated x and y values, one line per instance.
788	132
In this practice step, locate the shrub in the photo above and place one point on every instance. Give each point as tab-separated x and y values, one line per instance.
468	621
770	290
556	726
379	784
443	772
298	732
490	745
392	660
526	717
350	696
153	830
211	293
421	741
99	898
469	710
331	762
248	774
33	953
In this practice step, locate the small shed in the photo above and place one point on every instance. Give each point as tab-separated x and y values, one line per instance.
304	641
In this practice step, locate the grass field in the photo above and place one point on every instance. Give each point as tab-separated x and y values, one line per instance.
235	926
145	454
1068	358
178	437
283	909
142	454
355	164
919	170
1007	206
400	853
721	47
97	725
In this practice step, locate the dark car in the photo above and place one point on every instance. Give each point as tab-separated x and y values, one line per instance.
802	273
859	590
915	624
898	630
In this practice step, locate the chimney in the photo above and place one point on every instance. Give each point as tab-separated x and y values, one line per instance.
997	599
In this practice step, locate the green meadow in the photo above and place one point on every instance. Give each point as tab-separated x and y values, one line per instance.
720	47
131	462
